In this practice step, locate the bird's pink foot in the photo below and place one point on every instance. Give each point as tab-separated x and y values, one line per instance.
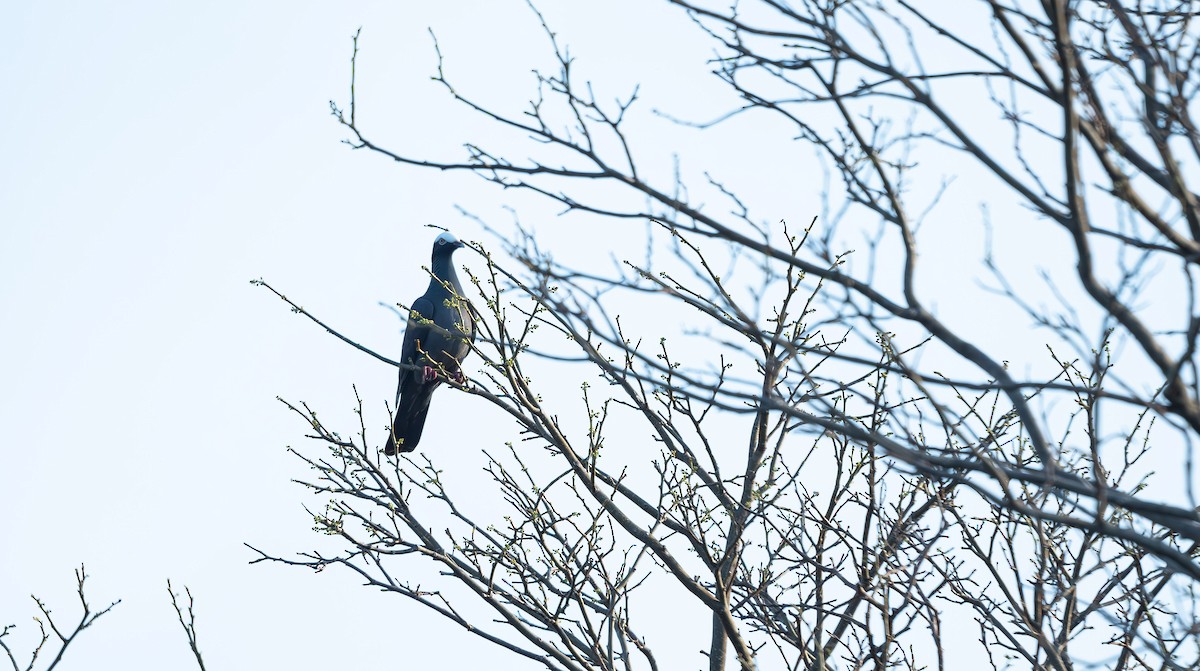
428	374
458	377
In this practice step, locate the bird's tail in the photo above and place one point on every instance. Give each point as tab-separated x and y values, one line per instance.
409	421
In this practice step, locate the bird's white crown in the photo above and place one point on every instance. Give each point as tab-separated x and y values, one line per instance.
445	238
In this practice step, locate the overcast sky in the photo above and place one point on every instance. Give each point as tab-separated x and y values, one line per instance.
156	157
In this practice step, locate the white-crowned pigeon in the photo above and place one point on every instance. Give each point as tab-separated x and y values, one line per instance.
438	336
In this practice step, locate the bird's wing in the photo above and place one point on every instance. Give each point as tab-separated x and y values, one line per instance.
448	344
456	317
466	317
416	335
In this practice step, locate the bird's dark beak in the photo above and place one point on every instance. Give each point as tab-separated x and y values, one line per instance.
458	244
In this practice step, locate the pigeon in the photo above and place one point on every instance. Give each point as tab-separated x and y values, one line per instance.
436	349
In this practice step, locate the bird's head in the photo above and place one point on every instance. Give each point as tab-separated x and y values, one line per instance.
446	244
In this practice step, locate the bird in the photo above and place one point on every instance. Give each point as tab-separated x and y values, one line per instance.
437	338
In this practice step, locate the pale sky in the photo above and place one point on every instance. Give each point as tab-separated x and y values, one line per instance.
154	158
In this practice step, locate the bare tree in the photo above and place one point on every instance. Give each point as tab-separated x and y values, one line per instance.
189	624
54	637
835	474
